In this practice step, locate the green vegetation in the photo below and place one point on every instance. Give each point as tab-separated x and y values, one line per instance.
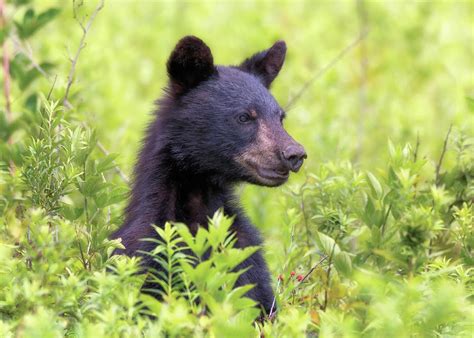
374	238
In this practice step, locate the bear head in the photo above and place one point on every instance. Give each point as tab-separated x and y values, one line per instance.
222	121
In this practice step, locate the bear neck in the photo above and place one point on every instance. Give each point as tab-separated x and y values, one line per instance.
162	192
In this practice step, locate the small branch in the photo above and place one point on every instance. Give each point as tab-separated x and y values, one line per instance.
7	81
323	70
81	252
28	53
86	204
116	167
417	147
52	87
363	65
82	44
119	171
445	146
6	77
6	66
312	269
272	309
385	219
6	86
328	275
305	220
85	30
109	212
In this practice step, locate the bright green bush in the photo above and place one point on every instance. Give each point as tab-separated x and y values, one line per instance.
377	255
376	242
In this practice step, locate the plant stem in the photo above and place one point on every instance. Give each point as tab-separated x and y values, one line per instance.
386	218
415	154
272	313
363	65
312	269
308	232
6	77
438	166
86	213
116	167
82	44
328	275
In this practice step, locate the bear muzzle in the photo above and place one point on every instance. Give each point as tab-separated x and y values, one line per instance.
293	157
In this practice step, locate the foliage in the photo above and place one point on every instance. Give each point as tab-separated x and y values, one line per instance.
393	242
376	242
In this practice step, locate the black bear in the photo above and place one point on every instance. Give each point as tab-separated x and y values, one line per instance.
215	126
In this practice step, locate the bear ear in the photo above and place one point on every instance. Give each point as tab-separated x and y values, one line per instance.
189	64
266	64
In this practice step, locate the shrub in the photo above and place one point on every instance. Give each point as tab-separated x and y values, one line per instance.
379	253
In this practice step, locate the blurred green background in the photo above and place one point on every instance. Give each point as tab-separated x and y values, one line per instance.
412	76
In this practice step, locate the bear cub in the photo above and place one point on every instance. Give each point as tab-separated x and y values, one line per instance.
215	126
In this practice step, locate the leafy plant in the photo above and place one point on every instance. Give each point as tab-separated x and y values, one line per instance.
371	243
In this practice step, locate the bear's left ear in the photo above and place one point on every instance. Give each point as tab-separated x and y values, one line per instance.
266	64
190	63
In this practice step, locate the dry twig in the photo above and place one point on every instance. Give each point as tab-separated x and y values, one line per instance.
323	70
363	63
27	51
82	44
313	268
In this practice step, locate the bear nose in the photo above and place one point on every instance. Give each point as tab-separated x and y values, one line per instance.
293	157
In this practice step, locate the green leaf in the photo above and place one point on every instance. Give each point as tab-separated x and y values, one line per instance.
369	212
32	23
327	244
106	163
343	263
72	213
4	31
151	303
47	16
92	186
470	103
375	185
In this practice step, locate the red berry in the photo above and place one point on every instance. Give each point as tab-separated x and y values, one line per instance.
280	277
292	273
300	278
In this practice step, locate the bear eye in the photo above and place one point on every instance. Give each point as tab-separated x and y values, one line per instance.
244	118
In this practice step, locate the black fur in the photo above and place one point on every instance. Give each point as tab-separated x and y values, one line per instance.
192	153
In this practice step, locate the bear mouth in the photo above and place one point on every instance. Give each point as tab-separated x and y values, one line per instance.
272	176
265	175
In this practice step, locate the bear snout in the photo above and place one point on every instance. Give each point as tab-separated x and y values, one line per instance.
293	157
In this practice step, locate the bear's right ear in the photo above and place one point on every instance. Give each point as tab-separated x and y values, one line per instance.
189	64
